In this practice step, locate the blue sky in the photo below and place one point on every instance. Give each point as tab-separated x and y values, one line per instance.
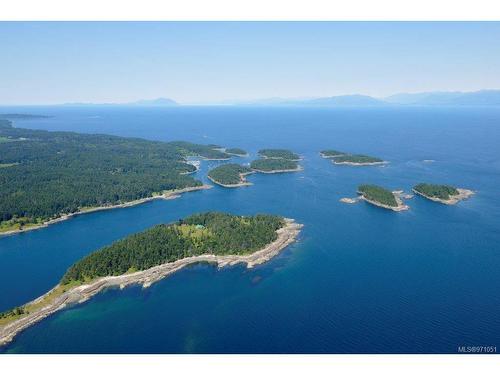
207	62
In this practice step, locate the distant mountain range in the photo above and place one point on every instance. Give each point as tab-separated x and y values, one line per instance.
344	100
483	97
434	98
476	98
159	102
341	100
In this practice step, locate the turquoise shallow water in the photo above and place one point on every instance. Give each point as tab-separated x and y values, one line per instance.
360	280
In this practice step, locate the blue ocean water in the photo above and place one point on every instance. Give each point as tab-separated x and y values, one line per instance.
359	280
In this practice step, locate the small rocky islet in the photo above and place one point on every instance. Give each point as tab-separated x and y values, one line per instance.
344	158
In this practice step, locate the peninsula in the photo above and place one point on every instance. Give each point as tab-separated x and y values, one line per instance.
381	197
149	256
55	175
445	194
343	158
230	175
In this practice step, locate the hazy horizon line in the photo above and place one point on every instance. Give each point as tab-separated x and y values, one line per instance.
229	101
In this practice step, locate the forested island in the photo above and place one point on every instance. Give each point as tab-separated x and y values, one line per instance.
344	158
236	151
230	175
442	193
356	159
276	153
151	255
274	165
276	161
381	197
47	176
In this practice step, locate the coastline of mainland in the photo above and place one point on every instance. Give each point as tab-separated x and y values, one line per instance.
167	195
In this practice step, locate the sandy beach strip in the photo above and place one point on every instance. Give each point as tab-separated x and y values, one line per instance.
286	235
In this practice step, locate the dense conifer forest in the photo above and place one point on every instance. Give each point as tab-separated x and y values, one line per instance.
45	174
